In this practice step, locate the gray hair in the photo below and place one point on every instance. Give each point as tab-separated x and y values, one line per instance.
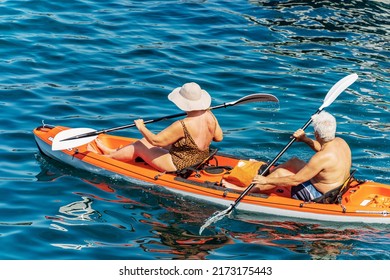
325	126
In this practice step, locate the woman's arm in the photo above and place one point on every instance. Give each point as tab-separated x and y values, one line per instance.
164	138
218	133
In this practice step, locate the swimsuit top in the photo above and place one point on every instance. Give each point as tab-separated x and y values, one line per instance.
185	152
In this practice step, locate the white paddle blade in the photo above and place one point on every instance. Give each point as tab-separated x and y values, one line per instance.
59	144
338	88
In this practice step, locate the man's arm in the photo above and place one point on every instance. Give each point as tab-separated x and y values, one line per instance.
310	170
300	135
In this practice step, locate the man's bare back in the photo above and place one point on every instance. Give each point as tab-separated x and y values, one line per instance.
334	159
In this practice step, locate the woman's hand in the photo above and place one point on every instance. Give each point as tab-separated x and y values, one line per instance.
139	123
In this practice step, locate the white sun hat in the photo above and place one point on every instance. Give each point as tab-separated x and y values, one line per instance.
190	97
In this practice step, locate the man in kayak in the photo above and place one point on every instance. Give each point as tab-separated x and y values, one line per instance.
328	168
182	144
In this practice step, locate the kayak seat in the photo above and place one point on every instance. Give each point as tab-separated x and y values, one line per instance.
196	168
335	196
204	165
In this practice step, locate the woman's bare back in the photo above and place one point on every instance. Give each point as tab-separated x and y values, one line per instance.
202	129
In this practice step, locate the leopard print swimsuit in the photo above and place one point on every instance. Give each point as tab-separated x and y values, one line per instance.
185	152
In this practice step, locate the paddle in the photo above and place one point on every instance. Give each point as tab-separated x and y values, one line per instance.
79	136
332	94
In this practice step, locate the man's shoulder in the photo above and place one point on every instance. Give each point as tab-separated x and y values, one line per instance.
324	157
340	143
339	139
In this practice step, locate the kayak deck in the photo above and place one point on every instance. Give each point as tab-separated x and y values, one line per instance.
367	202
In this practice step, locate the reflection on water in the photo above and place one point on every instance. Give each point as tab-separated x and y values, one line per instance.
90	244
176	243
325	240
303	239
79	210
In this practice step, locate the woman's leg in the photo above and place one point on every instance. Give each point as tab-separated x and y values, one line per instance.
123	154
156	157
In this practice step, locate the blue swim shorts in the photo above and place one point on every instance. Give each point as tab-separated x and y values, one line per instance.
305	191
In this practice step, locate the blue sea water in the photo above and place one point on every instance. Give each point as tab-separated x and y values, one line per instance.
102	64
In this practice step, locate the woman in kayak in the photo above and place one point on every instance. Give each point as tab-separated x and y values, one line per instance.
184	143
328	168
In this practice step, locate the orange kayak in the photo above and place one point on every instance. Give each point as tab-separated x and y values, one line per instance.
363	202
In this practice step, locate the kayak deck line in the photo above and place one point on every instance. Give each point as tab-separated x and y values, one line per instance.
365	201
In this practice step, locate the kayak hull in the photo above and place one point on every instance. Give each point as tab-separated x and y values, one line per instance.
365	202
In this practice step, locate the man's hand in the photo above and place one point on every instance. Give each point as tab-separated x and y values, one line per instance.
300	135
259	180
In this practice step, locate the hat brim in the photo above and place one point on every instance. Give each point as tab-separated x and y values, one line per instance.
190	105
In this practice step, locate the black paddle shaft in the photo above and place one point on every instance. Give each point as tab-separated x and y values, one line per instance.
258	97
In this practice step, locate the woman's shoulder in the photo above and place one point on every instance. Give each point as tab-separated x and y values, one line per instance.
178	124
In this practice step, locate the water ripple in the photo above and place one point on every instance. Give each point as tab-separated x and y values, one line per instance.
102	64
